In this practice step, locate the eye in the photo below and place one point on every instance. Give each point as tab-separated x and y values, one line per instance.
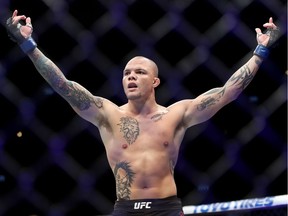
140	72
126	73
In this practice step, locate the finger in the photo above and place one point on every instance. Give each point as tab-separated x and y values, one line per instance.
14	13
258	31
270	20
28	20
270	25
16	19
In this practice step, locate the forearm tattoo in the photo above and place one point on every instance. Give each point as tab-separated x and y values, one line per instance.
258	62
240	79
76	96
243	78
130	129
124	178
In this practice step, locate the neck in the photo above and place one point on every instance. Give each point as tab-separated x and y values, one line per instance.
142	107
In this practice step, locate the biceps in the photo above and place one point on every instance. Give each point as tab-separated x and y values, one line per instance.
77	96
205	106
91	110
212	100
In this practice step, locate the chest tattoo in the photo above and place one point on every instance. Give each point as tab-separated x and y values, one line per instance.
124	179
158	116
130	129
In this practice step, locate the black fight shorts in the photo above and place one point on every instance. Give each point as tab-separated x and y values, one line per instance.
170	206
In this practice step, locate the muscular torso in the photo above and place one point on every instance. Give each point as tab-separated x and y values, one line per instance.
142	152
142	149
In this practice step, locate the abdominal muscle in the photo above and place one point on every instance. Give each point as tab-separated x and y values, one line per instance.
156	190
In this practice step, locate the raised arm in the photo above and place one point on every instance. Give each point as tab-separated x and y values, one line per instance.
207	104
81	100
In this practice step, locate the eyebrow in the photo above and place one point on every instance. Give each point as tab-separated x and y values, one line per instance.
136	69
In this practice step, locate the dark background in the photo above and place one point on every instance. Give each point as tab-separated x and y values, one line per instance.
53	163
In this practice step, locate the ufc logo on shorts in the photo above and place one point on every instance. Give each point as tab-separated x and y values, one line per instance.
141	205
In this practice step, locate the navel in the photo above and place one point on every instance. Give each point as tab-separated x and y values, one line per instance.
124	146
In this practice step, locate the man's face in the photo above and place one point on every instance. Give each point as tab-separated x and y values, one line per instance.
138	78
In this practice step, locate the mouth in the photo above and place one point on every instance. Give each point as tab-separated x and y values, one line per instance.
132	86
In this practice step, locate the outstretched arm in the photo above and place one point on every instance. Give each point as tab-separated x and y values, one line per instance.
82	101
206	105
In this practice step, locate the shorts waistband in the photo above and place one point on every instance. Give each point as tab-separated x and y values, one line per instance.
172	202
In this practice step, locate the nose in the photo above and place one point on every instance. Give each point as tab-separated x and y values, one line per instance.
132	76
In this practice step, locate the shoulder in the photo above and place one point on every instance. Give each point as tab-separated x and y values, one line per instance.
185	111
181	105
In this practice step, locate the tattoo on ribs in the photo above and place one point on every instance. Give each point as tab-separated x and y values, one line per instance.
172	165
124	178
130	129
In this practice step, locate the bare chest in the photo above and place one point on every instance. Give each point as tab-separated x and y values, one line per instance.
136	137
131	130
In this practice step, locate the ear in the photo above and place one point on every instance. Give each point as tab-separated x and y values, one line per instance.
156	82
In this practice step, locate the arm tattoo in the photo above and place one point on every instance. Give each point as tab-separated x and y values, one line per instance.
209	101
206	102
78	97
258	62
130	129
49	71
124	178
69	90
243	78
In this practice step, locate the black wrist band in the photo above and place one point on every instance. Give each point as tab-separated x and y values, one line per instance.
28	45
261	51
